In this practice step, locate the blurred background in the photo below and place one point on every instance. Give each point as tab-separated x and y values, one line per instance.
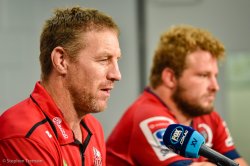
141	23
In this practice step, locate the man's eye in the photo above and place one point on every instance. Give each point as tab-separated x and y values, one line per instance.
104	59
203	75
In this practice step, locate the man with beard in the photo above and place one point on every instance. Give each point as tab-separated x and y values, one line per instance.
79	52
183	85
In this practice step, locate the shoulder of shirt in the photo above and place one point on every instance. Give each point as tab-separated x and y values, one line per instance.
145	107
147	101
19	119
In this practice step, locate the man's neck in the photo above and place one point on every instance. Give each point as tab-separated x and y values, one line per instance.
165	95
62	98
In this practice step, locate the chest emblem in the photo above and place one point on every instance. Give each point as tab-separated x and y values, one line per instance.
97	157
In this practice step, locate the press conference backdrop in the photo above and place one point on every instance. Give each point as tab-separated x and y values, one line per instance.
21	23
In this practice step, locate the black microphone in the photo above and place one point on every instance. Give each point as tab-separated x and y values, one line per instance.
187	142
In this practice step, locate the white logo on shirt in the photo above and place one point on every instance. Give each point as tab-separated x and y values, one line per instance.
97	157
153	129
48	134
58	122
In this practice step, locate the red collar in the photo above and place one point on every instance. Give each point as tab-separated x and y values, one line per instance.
45	102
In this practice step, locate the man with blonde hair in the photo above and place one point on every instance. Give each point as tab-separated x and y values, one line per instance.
79	50
183	85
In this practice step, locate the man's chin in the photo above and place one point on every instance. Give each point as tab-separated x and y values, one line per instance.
102	107
201	112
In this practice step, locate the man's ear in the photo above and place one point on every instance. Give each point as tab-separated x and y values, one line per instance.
58	58
168	78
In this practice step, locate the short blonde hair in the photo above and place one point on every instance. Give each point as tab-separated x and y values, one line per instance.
64	29
176	44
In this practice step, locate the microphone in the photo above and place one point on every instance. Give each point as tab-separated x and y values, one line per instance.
187	142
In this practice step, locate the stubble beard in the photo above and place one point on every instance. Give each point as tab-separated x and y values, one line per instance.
84	102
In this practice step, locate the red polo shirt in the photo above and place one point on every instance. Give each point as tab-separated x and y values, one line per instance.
137	139
35	132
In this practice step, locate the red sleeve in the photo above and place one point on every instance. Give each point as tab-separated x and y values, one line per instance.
24	151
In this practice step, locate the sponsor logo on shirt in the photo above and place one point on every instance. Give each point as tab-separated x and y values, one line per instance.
58	122
97	157
154	129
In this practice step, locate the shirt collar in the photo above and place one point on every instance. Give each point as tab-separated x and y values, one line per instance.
149	90
53	113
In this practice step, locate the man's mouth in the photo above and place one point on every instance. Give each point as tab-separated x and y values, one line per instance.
107	90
